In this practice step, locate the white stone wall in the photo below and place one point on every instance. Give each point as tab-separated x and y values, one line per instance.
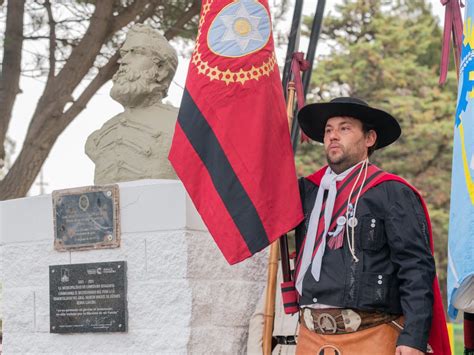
183	297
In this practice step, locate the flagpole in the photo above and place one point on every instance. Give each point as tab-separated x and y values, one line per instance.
269	312
292	43
456	58
313	43
289	89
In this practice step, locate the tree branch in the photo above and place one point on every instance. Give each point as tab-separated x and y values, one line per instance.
52	40
64	41
50	118
83	55
11	66
105	74
58	90
130	13
187	16
36	149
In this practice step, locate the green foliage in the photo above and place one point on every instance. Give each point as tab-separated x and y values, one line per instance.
387	53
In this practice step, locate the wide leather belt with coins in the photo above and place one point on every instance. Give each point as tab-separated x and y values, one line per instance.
342	321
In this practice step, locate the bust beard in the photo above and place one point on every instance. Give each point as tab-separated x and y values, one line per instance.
137	88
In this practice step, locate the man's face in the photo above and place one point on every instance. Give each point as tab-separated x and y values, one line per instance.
345	142
135	56
138	75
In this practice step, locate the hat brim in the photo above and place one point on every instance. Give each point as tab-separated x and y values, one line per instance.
313	118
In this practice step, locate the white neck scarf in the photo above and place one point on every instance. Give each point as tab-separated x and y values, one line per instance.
328	182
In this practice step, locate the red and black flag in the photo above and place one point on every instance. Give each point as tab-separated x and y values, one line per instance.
231	147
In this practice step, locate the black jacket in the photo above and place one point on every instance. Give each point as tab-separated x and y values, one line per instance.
396	269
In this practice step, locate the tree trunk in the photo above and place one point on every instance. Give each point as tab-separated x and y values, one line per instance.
27	165
36	149
50	117
11	66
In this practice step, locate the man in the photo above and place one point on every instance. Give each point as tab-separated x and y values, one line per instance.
364	272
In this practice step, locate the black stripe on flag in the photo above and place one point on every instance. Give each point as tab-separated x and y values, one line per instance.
227	184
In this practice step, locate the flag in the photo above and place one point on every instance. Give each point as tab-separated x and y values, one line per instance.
231	146
461	223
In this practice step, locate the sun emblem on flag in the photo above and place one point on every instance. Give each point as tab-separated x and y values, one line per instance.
239	29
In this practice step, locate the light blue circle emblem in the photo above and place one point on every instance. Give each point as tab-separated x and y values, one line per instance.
241	27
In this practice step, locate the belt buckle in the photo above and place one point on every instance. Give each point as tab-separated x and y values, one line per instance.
327	323
351	319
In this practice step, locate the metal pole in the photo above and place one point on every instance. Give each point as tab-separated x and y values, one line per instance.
292	42
313	43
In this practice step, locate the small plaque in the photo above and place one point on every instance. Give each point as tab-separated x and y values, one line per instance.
86	218
88	297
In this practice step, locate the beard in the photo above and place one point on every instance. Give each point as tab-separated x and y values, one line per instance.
134	88
337	160
344	160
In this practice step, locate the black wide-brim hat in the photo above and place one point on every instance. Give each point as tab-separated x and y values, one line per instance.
313	118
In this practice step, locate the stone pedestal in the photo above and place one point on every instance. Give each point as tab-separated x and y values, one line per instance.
183	297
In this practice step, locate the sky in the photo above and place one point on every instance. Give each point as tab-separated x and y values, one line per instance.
67	165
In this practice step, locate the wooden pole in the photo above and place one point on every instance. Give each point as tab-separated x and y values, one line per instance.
456	57
290	104
269	312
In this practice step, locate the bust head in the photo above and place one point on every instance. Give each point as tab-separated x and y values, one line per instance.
147	66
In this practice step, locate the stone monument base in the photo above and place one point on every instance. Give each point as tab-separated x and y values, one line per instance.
182	295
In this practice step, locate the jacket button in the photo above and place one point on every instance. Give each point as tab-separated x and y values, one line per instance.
379	282
380	277
315	300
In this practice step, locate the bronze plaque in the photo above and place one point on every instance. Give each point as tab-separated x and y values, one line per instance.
86	218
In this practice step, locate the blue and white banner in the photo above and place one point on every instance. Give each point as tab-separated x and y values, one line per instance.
461	223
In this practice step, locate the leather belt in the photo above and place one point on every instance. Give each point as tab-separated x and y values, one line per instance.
285	340
342	321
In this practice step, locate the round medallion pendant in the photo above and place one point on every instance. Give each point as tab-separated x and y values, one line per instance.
352	222
341	220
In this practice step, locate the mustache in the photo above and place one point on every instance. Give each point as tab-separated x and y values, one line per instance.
126	74
335	145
